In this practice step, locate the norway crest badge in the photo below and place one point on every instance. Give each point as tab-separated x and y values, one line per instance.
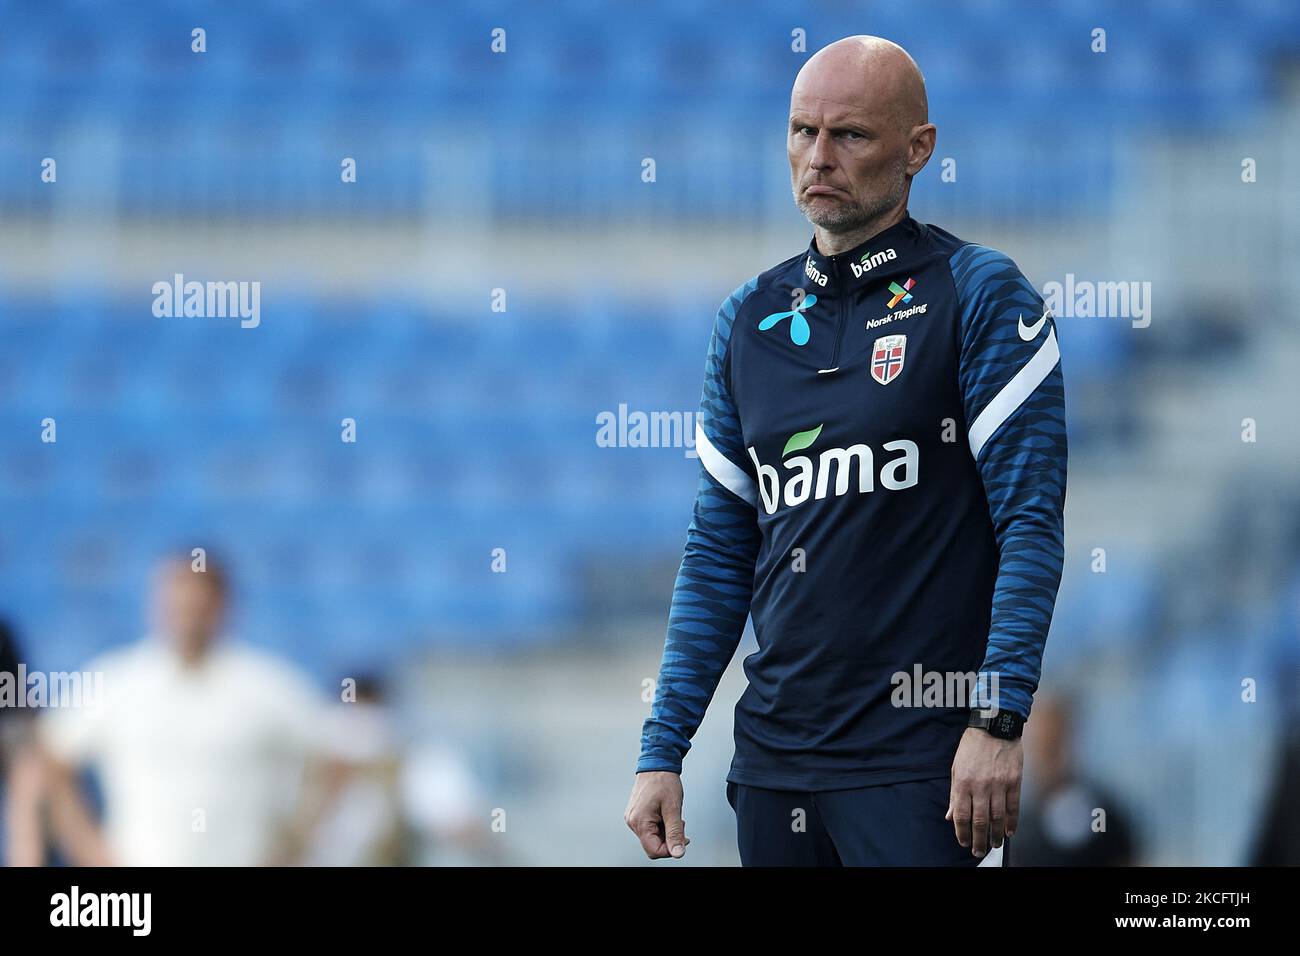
887	358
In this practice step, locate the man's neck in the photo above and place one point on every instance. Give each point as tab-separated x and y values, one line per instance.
193	658
833	243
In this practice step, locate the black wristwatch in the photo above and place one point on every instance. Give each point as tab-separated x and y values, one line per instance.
1005	724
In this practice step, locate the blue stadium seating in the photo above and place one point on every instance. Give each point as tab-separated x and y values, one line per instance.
257	124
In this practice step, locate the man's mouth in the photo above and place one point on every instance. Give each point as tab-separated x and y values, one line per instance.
820	189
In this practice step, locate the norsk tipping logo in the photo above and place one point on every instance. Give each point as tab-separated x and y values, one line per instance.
902	293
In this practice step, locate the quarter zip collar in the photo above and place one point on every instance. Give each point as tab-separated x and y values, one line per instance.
884	248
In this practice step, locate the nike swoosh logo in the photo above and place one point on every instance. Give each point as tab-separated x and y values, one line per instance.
1028	332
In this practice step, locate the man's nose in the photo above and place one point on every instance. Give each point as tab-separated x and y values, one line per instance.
823	153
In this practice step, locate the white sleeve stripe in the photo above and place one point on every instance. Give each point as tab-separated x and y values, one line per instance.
727	474
1014	393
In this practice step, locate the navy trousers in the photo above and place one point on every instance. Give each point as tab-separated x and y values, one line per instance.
899	824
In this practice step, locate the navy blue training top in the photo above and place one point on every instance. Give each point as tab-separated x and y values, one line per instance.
883	460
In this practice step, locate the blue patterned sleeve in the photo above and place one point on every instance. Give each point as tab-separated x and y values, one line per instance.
1014	401
716	579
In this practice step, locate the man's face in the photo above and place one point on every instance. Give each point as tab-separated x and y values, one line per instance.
188	607
848	155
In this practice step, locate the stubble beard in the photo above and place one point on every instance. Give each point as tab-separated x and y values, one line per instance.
840	217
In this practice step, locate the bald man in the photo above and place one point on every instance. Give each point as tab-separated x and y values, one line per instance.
882	442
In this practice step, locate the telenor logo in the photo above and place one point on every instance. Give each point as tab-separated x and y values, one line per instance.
902	293
808	477
799	330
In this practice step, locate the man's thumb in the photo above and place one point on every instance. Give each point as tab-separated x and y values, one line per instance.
674	831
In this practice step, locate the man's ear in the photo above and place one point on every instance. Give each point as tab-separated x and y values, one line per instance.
922	147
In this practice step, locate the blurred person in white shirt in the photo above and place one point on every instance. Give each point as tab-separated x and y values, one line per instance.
201	743
363	824
442	800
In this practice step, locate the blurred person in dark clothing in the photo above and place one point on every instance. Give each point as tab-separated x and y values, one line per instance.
1278	840
9	742
20	767
1065	820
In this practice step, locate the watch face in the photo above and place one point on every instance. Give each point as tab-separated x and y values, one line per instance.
1005	725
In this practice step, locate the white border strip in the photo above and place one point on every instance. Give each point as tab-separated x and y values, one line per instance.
1014	393
721	468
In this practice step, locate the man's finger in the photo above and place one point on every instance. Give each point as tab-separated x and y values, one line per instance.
959	812
652	840
674	830
1013	809
997	816
649	831
979	826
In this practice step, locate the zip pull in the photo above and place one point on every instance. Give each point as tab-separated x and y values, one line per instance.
841	295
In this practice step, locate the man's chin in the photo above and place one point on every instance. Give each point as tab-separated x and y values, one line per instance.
832	216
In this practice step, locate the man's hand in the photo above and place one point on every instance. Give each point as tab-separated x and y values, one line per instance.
654	814
984	802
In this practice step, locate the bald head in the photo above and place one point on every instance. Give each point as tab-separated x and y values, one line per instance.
871	73
859	131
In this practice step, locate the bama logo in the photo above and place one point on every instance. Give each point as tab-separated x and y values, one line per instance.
870	260
806	477
812	272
